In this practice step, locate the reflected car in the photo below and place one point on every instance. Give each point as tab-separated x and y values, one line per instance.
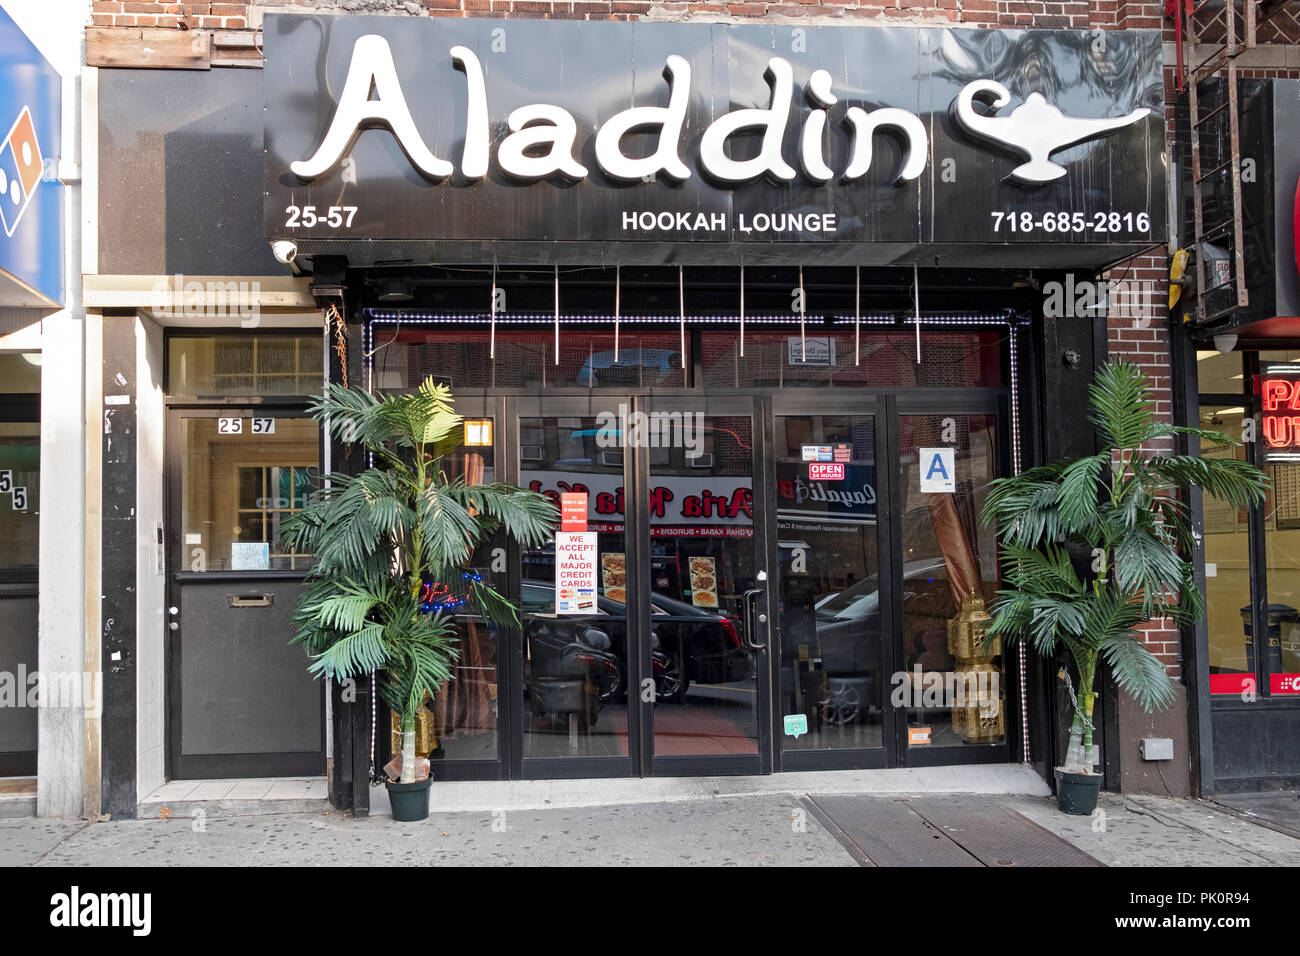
688	644
634	366
849	637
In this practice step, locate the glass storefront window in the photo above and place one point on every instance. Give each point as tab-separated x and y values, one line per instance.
1280	648
242	474
527	359
1219	374
575	665
20	461
465	709
20	494
952	695
245	365
784	359
1227	561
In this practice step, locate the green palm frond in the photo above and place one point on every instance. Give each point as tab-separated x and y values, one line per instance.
449	531
530	517
1077	499
1123	504
1121	405
377	535
1228	479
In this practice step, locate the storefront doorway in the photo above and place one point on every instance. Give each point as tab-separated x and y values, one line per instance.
774	587
242	456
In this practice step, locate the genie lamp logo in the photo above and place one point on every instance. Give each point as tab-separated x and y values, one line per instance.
1035	128
21	166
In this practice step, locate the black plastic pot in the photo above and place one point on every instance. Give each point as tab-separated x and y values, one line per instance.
1077	792
410	801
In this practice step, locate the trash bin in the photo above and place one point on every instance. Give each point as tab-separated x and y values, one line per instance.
1280	617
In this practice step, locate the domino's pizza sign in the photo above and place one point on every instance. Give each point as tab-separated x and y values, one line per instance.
31	197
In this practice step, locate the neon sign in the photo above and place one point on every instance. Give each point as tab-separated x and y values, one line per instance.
1280	399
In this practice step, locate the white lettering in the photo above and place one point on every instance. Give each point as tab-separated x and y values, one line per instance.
372	64
556	127
772	120
665	159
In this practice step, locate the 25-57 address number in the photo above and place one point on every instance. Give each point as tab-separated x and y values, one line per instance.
306	217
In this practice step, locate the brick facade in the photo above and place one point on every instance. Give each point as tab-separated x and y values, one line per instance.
1044	14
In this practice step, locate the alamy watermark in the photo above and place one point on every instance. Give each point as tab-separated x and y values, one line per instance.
35	688
917	688
1079	298
177	295
624	429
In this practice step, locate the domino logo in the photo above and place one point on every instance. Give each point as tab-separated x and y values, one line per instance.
21	166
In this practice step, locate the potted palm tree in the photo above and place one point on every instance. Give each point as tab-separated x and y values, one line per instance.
1093	548
393	546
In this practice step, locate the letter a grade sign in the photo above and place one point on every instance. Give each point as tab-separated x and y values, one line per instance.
938	474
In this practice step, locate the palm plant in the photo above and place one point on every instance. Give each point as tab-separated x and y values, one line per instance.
1122	505
385	538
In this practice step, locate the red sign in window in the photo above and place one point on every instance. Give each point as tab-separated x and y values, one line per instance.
825	471
1232	683
573	511
1284	683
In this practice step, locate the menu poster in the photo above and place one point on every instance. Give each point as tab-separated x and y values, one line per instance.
575	572
613	574
704	582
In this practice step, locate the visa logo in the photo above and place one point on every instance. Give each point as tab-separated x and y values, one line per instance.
21	166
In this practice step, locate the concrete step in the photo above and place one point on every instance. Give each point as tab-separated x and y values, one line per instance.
234	797
489	795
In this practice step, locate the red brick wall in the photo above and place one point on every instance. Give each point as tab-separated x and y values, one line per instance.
1049	14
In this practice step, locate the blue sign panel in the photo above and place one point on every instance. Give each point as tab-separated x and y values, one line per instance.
31	197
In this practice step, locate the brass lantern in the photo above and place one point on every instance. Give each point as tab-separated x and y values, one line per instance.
979	705
426	737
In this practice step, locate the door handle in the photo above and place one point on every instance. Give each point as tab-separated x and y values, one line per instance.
252	600
750	600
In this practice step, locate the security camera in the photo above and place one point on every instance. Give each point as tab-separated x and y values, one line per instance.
284	251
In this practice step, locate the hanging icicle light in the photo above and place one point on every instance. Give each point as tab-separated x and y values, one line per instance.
557	313
742	308
618	291
492	334
681	310
916	309
857	315
803	331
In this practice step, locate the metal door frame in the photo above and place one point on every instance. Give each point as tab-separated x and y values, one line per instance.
841	402
636	482
242	765
949	401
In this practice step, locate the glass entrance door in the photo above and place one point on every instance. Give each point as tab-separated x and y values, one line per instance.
833	661
663	670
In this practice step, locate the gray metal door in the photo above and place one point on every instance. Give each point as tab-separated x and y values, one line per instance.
240	700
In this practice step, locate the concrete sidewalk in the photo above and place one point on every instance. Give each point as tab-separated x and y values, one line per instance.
759	829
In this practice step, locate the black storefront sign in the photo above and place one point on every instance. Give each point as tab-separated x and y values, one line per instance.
464	140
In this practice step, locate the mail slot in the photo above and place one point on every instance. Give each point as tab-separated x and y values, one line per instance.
252	600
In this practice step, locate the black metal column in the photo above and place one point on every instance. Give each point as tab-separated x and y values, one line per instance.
117	577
